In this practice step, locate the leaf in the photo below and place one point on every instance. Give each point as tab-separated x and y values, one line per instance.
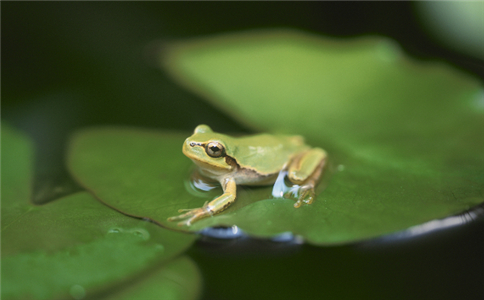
403	138
74	242
407	134
139	172
179	279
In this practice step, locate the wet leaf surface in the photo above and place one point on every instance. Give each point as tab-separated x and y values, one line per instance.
74	244
403	137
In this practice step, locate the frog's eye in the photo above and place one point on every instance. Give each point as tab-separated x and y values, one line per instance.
215	149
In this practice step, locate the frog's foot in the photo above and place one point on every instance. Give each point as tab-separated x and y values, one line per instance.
307	195
192	215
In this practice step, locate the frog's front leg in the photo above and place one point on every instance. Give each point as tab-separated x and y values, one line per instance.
305	170
215	206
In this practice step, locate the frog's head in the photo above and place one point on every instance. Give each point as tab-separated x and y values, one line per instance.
208	150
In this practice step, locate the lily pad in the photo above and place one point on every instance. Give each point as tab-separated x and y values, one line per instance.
179	279
404	138
407	134
139	172
74	244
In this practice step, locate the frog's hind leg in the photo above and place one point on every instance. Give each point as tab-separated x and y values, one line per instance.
215	206
305	170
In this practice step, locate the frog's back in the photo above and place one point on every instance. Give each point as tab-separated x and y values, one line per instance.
266	153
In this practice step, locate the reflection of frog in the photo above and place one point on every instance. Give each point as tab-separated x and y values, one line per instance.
250	160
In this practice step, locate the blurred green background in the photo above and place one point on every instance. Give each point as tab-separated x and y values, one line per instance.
66	66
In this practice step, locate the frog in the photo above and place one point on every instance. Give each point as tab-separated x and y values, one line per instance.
250	160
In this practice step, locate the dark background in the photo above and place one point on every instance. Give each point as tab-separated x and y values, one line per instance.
71	65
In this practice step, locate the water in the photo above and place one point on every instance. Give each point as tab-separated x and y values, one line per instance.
138	232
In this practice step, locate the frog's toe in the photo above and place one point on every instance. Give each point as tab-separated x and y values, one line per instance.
199	214
189	213
175	218
180	217
307	196
192	215
183	223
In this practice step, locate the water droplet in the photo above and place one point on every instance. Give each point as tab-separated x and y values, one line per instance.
140	232
77	291
115	230
341	168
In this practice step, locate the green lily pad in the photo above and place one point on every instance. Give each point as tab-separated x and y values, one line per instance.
403	138
406	135
139	172
179	279
74	244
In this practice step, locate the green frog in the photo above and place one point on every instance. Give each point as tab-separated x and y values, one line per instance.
250	160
